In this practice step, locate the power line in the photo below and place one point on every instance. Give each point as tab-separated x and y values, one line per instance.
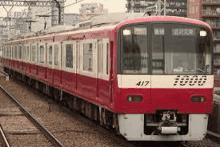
73	3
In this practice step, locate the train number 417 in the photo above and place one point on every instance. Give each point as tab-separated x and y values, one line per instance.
143	83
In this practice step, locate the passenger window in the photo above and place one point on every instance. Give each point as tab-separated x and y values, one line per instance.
7	52
41	54
16	52
13	52
100	57
87	57
107	54
27	54
78	54
24	53
20	52
33	53
56	55
50	54
69	55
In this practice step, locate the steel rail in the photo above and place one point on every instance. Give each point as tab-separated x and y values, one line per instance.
2	135
48	135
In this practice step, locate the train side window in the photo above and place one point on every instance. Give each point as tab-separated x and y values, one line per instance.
107	57
24	53
78	55
33	53
50	54
41	54
12	52
56	55
16	52
6	55
7	52
100	57
88	57
69	55
19	52
27	53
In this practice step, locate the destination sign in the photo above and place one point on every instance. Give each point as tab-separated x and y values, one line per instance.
183	32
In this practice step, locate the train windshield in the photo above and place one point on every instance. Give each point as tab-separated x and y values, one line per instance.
167	49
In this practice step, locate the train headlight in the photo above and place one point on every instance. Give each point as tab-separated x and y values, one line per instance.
197	99
134	98
203	33
126	32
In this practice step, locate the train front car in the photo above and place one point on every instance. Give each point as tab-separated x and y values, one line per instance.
164	78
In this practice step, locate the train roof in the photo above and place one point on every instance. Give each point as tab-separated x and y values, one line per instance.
164	19
114	20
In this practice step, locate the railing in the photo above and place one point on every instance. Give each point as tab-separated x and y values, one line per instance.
211	12
213	23
211	1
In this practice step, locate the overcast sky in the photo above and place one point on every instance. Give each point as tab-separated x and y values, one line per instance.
111	5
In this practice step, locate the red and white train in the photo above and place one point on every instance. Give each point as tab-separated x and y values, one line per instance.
150	78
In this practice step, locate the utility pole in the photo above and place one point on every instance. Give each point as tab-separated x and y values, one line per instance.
59	11
45	23
157	8
30	22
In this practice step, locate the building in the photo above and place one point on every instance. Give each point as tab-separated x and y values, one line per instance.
209	12
44	17
40	18
89	10
173	7
71	19
15	24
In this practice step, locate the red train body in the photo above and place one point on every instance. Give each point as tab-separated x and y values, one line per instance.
125	75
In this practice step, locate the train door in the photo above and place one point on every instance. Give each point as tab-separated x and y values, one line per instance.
69	66
50	63
20	57
103	71
87	77
33	67
28	57
41	61
57	70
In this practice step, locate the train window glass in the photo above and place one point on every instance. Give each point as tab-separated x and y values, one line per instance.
134	50
50	54
41	54
69	55
7	52
27	53
100	57
56	55
87	57
24	53
12	48
78	54
16	52
20	52
182	50
107	54
33	53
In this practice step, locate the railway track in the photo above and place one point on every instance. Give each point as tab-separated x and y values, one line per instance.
3	140
80	135
41	130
